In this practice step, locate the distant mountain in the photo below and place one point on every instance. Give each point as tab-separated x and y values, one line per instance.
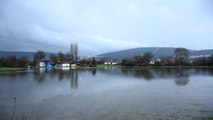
157	51
19	54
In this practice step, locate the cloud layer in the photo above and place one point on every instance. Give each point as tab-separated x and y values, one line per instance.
104	26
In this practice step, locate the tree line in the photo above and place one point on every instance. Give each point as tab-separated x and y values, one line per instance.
13	61
60	57
181	57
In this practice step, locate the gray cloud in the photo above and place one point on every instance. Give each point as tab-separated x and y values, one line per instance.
103	26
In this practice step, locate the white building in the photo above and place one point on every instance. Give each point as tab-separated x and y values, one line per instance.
65	64
42	64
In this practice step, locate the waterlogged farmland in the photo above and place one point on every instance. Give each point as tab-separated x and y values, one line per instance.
107	94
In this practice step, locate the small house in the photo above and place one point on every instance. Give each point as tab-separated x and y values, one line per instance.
42	64
65	64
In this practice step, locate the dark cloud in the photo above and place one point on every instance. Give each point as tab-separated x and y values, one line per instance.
102	26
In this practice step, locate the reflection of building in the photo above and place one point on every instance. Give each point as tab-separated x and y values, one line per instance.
65	68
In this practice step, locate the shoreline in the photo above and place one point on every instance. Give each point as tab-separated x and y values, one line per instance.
11	69
3	69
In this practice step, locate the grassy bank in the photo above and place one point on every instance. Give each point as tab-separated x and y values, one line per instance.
10	69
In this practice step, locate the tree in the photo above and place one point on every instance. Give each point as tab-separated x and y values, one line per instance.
210	60
61	57
181	55
23	61
39	55
148	56
11	61
54	58
127	62
74	51
84	62
2	62
93	63
138	60
68	57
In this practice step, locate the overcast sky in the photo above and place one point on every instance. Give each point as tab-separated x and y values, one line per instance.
104	25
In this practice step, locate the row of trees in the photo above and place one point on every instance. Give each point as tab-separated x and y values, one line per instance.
13	61
138	60
91	62
181	57
203	61
55	58
59	57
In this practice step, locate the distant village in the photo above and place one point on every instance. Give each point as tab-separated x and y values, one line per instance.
181	58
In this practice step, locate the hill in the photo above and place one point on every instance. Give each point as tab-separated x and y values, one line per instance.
19	54
157	51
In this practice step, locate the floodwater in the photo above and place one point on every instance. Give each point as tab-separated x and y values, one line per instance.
107	94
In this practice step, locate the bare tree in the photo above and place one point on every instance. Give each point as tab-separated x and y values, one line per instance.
74	51
61	57
148	57
39	55
54	58
181	55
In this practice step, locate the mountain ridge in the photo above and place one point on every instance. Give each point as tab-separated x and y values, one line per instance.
157	51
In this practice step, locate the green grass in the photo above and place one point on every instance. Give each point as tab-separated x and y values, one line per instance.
10	69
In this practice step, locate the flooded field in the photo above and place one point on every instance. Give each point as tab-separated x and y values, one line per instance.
107	94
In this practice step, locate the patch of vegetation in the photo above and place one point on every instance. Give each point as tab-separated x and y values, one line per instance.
10	69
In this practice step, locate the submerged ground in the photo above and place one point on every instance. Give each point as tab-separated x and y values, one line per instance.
107	94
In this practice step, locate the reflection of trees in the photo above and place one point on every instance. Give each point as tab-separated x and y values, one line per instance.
211	72
61	75
40	75
74	79
72	75
147	74
93	71
164	73
182	78
123	70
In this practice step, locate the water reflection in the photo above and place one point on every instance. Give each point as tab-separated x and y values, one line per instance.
93	71
146	74
74	79
41	75
181	75
43	90
182	78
